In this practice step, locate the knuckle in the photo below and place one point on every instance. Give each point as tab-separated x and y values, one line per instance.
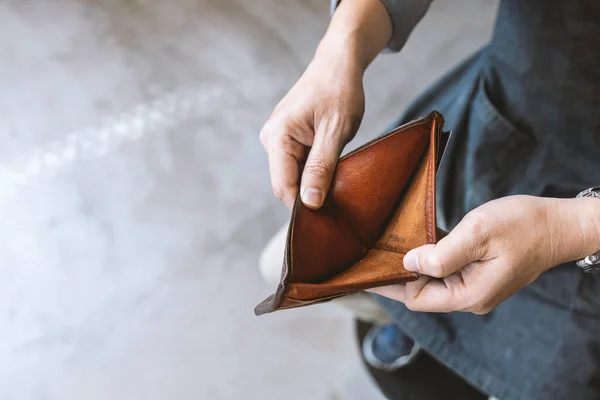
483	307
436	266
318	168
410	304
482	310
263	136
342	123
271	127
478	224
290	146
267	128
278	191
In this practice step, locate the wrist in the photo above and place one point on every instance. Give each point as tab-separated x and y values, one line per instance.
358	31
341	51
577	228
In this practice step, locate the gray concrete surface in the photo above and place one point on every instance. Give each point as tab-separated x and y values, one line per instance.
134	195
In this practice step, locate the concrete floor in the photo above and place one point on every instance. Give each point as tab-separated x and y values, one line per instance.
134	195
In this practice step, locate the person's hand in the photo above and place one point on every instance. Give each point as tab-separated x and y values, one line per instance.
311	125
306	133
497	249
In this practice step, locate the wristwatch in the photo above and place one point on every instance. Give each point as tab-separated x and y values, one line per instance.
590	264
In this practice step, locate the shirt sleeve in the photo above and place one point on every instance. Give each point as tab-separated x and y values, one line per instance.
405	15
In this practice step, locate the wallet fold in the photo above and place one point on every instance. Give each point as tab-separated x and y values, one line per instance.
381	204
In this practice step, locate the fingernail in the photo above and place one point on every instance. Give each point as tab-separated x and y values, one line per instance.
311	197
411	262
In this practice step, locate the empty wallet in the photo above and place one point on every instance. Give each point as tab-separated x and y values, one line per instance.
381	204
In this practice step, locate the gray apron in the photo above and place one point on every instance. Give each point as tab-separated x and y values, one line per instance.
525	117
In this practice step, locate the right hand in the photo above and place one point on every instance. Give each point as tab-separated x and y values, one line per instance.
310	127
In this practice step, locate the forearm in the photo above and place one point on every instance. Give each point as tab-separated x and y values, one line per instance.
358	31
577	228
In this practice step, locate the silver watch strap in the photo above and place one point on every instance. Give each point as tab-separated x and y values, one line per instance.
590	264
591	192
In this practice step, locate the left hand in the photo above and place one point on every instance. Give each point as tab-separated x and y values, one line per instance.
497	249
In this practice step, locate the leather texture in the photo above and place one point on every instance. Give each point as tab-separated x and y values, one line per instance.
381	205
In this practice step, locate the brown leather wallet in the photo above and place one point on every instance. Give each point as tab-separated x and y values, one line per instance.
381	205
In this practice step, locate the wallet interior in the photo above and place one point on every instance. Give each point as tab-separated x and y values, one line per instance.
381	205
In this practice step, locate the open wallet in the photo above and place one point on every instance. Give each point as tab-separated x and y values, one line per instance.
381	204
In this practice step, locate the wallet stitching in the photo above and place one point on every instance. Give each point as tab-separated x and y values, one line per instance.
428	201
431	187
321	298
422	120
288	248
408	274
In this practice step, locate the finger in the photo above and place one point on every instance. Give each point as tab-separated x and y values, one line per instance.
430	295
284	155
424	294
415	287
394	292
452	293
274	127
320	166
264	138
465	244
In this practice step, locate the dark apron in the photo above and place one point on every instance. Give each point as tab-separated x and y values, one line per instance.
525	117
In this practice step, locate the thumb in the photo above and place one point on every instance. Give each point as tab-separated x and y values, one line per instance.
461	247
318	169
